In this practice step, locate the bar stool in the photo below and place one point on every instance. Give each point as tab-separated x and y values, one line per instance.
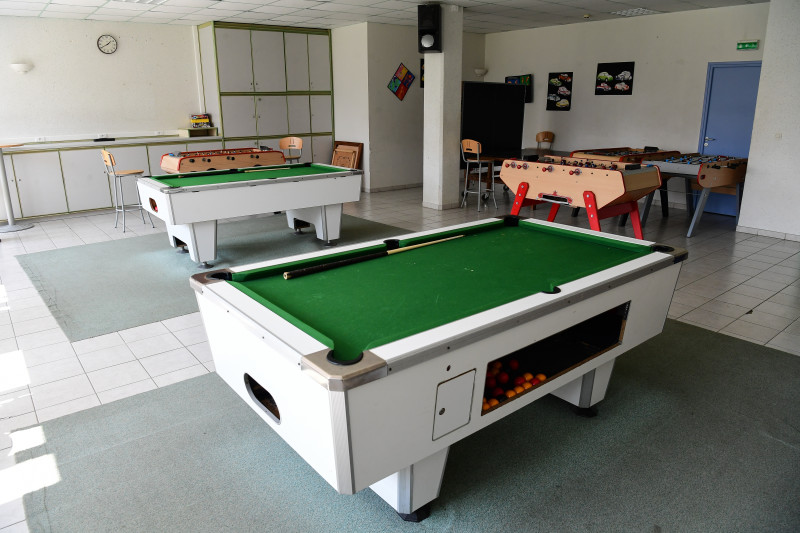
481	172
119	194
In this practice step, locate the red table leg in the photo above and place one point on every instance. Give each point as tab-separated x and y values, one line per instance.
519	199
595	215
591	210
553	212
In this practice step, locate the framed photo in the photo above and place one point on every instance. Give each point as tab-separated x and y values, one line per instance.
559	91
401	81
527	81
614	78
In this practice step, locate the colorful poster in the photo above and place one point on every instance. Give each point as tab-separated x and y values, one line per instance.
614	78
527	81
401	81
559	91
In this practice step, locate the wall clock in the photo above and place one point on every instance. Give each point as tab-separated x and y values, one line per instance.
107	44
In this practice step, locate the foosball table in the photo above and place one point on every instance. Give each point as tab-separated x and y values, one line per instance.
625	154
706	173
180	162
604	188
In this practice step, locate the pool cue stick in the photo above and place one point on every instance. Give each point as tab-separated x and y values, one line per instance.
262	169
352	260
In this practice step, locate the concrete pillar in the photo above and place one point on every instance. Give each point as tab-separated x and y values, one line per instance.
442	115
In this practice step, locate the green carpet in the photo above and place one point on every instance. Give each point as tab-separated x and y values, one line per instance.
698	432
110	286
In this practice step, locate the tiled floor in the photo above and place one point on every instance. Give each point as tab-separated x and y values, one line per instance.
738	284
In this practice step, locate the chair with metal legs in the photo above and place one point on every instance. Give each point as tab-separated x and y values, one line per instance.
292	148
119	194
479	170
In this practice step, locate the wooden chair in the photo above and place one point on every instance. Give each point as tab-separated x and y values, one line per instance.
289	145
119	194
545	137
479	171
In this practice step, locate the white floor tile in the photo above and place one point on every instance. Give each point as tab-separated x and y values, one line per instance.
106	357
125	391
117	376
166	362
180	375
61	391
67	408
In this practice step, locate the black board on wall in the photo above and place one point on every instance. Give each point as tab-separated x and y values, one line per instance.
492	114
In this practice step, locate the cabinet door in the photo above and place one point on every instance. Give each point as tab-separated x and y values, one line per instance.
12	190
238	116
269	70
156	151
308	152
241	144
85	180
202	146
272	115
320	113
40	184
299	114
296	62
322	149
234	62
319	62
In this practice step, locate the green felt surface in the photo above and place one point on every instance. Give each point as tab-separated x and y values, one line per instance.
243	174
371	303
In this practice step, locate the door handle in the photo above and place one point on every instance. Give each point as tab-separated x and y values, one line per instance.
710	139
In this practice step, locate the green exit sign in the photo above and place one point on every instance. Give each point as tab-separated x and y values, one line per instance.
747	45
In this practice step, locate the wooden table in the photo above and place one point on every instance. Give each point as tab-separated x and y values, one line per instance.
12	224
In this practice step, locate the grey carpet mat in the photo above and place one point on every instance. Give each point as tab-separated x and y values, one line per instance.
110	286
698	432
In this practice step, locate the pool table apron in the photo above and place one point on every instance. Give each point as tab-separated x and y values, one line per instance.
191	213
384	424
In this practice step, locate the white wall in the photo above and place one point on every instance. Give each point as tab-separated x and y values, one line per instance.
772	189
671	51
473	55
148	85
350	89
395	136
365	56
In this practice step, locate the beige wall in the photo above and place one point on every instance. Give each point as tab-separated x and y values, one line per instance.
148	85
671	51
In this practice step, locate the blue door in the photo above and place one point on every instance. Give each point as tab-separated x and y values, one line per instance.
728	111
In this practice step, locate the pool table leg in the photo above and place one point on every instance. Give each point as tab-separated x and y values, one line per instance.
411	490
584	392
327	220
200	239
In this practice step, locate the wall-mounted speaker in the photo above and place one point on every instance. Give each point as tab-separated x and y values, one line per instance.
429	28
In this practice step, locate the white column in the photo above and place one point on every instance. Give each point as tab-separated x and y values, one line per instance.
771	188
442	115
